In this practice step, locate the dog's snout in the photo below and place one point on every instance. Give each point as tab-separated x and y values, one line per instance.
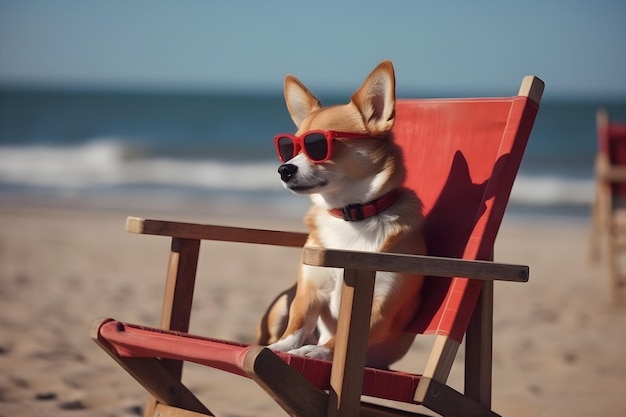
287	171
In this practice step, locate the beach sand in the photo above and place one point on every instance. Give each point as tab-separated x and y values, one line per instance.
559	346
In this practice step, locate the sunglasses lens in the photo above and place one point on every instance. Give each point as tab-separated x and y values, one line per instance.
285	148
316	146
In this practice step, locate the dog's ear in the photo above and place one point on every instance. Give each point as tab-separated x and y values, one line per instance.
376	99
300	101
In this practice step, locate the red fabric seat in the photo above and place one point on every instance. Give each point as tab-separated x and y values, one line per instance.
129	340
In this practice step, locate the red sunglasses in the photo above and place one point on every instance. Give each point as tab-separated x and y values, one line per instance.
317	144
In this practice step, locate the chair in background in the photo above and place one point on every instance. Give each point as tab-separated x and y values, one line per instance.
609	207
462	157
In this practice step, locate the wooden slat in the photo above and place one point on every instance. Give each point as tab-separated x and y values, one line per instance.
417	264
612	173
213	232
346	378
284	384
440	360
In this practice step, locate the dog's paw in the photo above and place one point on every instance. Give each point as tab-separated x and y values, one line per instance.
314	352
285	345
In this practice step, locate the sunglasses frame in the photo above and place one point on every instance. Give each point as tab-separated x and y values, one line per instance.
299	144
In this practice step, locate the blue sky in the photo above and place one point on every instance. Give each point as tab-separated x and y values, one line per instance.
577	47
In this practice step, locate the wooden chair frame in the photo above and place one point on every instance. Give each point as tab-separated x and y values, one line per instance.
278	378
608	219
162	376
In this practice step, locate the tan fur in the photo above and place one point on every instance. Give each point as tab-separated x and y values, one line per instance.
358	172
274	321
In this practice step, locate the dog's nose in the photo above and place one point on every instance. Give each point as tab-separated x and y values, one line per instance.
287	171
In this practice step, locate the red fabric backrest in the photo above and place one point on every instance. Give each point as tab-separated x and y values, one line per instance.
612	142
462	156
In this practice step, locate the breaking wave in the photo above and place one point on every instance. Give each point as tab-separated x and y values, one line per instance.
111	163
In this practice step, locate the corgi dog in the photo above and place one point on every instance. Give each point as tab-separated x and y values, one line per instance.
344	158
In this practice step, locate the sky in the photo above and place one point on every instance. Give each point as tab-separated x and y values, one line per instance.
438	47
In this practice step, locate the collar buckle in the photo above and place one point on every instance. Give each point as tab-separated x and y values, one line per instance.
353	213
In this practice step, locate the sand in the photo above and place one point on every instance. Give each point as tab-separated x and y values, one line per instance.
559	346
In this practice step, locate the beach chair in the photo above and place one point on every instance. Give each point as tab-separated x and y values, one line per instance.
609	206
462	157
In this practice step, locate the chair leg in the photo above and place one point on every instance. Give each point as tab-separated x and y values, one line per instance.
616	275
285	385
179	285
597	224
478	348
155	377
176	311
346	378
448	402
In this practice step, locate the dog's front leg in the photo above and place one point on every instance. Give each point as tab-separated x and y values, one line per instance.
304	310
303	315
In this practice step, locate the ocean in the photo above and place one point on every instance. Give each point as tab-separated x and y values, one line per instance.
114	146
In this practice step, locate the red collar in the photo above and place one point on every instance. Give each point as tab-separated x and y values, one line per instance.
357	212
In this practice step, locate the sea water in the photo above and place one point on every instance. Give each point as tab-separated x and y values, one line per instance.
177	146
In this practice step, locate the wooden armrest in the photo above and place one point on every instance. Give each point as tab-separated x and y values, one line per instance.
613	174
418	264
212	232
607	172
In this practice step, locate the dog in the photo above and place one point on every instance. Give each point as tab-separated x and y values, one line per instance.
344	158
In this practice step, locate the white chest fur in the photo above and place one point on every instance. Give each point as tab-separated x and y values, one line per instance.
365	235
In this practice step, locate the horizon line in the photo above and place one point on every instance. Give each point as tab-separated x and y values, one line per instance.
258	90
